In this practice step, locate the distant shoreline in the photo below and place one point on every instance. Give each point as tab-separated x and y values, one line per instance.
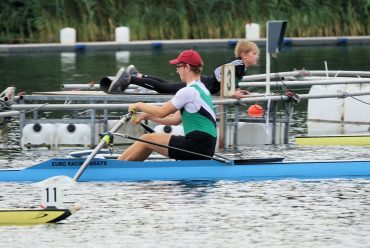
175	44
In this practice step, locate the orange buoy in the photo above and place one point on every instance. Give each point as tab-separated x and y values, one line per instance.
256	110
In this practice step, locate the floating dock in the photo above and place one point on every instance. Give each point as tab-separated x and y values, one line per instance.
176	44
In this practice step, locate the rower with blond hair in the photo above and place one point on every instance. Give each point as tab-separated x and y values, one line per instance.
246	54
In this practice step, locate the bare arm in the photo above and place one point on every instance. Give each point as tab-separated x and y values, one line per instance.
153	110
166	114
172	119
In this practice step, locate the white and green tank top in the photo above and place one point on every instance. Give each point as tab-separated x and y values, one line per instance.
197	113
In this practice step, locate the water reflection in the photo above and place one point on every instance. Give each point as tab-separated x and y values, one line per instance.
122	58
68	66
10	142
68	61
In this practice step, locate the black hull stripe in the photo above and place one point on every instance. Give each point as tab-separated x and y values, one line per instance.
66	214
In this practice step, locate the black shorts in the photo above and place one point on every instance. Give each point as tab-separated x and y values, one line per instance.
199	142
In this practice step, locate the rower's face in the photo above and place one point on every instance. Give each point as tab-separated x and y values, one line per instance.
180	69
250	58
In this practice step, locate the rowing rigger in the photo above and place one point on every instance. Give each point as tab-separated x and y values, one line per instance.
249	169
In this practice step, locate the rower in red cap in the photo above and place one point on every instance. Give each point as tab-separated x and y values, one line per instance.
192	105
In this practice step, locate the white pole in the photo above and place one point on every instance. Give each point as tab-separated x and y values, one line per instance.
9	113
267	123
341	73
308	83
299	73
307	73
19	107
267	61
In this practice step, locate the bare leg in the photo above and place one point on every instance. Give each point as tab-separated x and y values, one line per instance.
139	151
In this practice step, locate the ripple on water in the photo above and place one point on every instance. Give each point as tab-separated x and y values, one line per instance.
285	213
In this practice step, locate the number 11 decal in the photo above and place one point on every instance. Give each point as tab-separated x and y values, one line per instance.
51	197
54	190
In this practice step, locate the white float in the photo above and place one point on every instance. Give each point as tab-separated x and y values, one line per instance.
338	115
356	110
325	115
68	36
174	130
56	134
252	31
38	135
73	134
255	134
122	34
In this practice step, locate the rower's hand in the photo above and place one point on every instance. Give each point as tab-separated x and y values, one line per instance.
140	117
239	93
135	107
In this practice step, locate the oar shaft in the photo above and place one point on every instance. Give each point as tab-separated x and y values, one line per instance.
88	160
100	146
170	147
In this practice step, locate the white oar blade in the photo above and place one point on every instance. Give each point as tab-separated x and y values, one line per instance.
62	181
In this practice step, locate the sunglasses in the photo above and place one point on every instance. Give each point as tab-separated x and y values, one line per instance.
180	65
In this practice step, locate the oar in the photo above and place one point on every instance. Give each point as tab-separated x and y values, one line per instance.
223	160
105	140
45	185
147	128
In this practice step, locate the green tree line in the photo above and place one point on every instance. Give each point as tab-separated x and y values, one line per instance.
29	21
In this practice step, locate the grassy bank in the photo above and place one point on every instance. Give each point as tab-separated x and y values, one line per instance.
24	21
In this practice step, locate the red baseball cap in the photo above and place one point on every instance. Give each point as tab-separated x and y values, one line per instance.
190	57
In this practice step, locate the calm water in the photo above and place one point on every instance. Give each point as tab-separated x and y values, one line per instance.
286	213
46	71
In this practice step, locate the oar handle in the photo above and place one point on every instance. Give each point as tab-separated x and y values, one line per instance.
147	128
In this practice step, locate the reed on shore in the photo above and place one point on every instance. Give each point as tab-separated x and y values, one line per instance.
28	21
